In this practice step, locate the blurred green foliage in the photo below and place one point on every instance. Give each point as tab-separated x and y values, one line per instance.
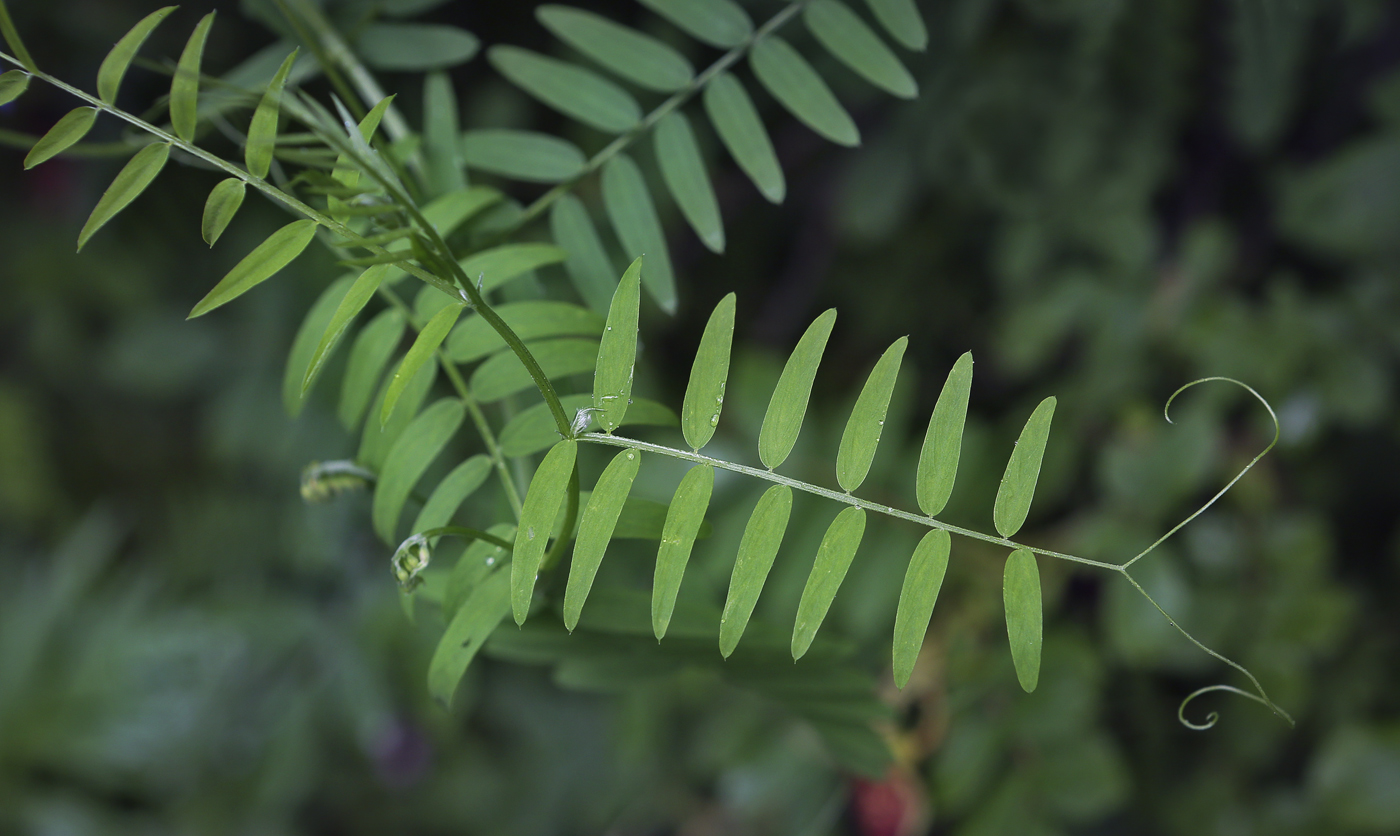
1101	199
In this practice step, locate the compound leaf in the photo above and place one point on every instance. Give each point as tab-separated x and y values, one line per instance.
523	155
1021	595
114	66
369	355
129	183
411	47
595	529
639	58
862	434
617	351
847	37
788	406
922	581
350	306
1017	488
736	120
571	90
223	203
704	395
901	19
798	87
638	227
834	556
184	87
762	536
280	248
588	264
472	624
542	502
432	335
304	345
504	375
460	483
262	130
74	125
938	460
719	23
687	512
411	454
683	169
442	144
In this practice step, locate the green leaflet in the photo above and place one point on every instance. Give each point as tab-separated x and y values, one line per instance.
376	441
798	87
350	306
345	170
641	519
595	529
847	37
683	520
411	454
719	23
368	356
114	66
504	375
262	131
1022	471
735	119
532	429
571	90
419	353
304	345
938	460
1020	592
449	211
472	568
184	87
280	248
862	434
129	183
451	492
783	420
684	172
429	301
834	556
11	35
412	47
901	19
442	144
12	85
498	265
634	218
617	351
523	155
641	59
762	537
474	338
922	582
588	264
542	503
223	203
704	395
472	623
66	131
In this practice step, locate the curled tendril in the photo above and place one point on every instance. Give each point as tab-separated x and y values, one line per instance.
1214	717
414	554
323	481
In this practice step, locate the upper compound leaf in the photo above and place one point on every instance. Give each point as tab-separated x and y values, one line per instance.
542	502
736	121
799	88
588	263
704	395
66	131
595	529
280	248
762	537
938	460
129	183
262	131
683	520
304	344
420	443
432	335
847	37
223	203
350	306
683	169
522	155
922	581
634	217
617	351
109	75
568	89
788	406
834	556
415	46
641	59
368	356
454	488
901	19
1022	471
719	23
184	87
474	338
12	85
1021	595
862	434
471	625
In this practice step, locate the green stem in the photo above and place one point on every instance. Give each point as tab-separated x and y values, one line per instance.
467	534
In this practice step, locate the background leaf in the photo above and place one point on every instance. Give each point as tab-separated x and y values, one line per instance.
719	23
523	155
354	301
588	264
498	265
472	624
304	346
901	19
736	120
410	456
788	406
847	37
369	355
422	350
461	482
474	338
634	217
441	136
1021	596
639	58
793	82
573	91
414	47
504	375
683	169
1023	471
375	440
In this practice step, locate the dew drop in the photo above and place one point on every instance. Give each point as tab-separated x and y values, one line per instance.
530	533
490	561
631	455
714	420
609	327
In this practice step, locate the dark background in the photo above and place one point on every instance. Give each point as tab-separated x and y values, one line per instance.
1101	200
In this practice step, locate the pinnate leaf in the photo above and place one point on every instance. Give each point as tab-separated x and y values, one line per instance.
221	206
687	512
523	155
184	87
938	460
359	294
704	395
788	406
442	143
571	90
129	183
922	581
617	351
114	66
279	250
719	23
1017	488
504	374
410	47
262	131
74	125
542	502
683	169
471	625
847	37
798	87
420	443
901	19
12	85
638	227
369	355
736	120
639	58
762	536
432	335
595	529
1021	595
588	264
834	556
862	434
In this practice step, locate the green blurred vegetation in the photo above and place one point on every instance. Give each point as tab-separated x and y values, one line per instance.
1101	199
